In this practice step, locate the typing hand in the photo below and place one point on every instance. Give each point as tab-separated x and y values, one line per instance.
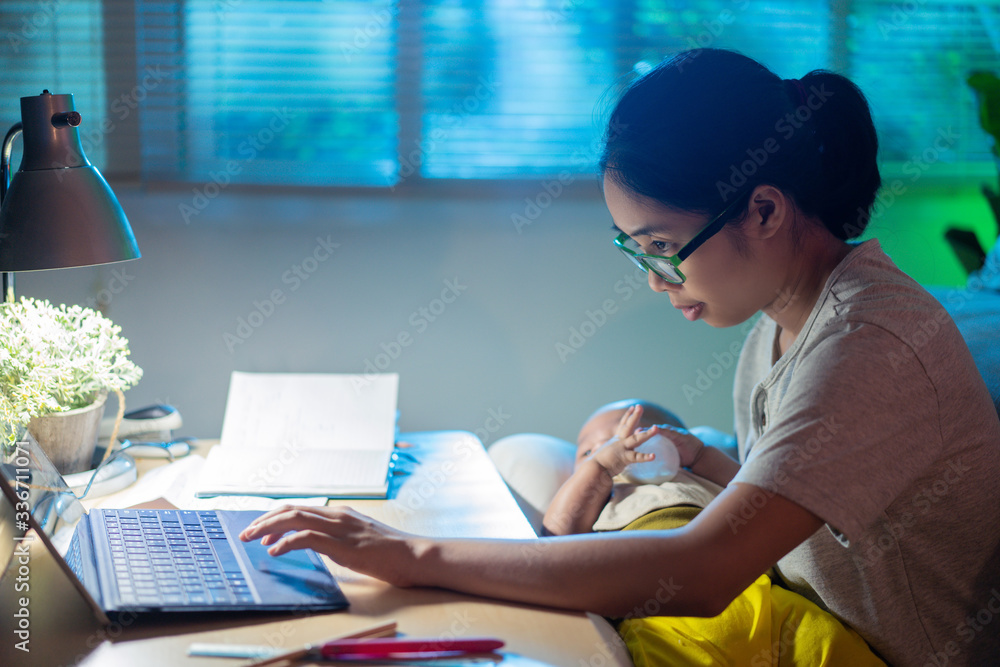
344	535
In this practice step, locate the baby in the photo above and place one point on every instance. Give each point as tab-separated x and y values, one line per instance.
598	497
765	624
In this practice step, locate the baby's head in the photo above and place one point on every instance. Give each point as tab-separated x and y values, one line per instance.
601	426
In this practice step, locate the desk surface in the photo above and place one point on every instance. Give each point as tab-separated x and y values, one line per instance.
446	486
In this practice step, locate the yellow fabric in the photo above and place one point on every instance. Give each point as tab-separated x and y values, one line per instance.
766	625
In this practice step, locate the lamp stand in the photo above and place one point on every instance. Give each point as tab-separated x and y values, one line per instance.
8	147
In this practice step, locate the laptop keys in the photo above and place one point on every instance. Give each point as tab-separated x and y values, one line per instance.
174	559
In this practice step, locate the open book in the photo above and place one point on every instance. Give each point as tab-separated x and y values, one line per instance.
288	435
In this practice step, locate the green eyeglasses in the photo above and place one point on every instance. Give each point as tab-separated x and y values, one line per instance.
668	267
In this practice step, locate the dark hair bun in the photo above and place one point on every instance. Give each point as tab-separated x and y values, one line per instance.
848	147
709	125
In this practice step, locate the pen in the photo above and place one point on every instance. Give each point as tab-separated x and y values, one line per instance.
383	630
407	645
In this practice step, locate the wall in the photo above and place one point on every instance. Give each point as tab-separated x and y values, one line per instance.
492	328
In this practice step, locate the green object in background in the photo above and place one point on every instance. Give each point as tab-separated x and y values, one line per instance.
987	87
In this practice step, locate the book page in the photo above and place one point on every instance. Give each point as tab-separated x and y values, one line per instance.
311	411
266	472
304	434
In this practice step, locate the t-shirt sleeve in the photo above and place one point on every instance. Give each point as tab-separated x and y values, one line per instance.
857	424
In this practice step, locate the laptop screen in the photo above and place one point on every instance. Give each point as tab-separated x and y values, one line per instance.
38	513
53	613
38	488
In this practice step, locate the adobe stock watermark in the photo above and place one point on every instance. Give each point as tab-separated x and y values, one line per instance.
562	12
378	22
91	138
657	604
602	656
294	277
771	655
914	168
595	318
564	521
224	7
796	460
249	148
32	25
707	376
921	503
967	630
410	162
495	419
928	329
713	30
957	298
415	492
419	321
901	14
786	128
110	288
582	161
265	474
20	559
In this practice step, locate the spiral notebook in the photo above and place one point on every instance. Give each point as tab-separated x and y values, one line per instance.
289	435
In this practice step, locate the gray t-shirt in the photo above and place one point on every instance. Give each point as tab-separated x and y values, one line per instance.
877	421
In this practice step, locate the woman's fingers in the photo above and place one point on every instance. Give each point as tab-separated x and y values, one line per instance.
688	445
304	539
271	526
346	536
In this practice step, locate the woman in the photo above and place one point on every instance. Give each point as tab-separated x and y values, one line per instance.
869	444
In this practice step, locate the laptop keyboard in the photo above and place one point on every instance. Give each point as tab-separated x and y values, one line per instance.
170	558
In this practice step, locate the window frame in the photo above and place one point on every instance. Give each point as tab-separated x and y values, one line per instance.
124	149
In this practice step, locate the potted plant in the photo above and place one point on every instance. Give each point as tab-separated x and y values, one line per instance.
57	365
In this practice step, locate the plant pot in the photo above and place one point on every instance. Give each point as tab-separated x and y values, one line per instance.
69	438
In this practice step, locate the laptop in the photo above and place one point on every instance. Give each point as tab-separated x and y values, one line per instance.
138	561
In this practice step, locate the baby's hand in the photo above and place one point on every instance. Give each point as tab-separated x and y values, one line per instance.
618	452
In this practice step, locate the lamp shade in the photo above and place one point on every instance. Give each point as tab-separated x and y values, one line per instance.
59	212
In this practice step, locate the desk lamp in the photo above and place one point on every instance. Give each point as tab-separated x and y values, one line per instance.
58	211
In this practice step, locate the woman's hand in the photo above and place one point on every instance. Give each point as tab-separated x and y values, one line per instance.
347	537
688	446
618	452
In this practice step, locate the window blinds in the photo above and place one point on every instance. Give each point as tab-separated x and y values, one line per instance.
54	46
394	92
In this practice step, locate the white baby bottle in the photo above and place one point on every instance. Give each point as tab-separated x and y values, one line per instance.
662	468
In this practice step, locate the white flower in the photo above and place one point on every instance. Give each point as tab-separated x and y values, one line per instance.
57	358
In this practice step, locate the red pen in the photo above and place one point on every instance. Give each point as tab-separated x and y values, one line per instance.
407	645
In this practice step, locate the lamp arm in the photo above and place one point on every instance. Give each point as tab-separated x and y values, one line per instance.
8	147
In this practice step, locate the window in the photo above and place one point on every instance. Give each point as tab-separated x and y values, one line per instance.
912	60
393	92
54	46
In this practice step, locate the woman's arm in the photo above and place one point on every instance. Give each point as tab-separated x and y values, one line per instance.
692	571
714	465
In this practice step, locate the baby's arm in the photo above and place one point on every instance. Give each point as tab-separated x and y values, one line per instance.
580	500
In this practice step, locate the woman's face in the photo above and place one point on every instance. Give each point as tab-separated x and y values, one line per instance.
723	286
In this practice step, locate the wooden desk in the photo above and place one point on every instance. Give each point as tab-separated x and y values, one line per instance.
445	485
